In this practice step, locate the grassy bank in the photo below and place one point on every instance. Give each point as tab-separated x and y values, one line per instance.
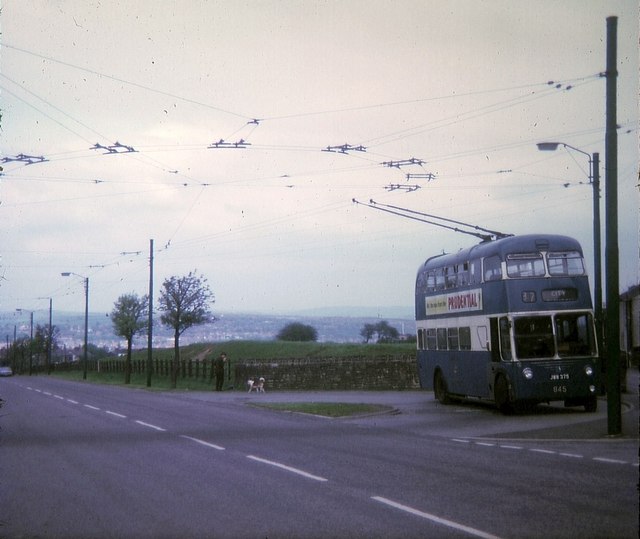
269	350
237	351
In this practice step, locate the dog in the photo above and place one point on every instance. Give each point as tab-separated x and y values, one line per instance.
257	386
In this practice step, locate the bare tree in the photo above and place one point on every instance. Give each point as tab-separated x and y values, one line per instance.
130	317
184	302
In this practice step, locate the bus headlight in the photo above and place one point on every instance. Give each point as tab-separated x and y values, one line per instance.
592	389
588	369
527	373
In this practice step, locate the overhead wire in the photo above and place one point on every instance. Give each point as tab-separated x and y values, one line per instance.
383	139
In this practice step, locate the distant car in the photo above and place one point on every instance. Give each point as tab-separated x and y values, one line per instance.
6	371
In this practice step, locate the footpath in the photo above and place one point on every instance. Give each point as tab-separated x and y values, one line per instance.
421	411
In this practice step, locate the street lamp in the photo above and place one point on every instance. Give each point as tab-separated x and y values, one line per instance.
86	318
30	340
594	180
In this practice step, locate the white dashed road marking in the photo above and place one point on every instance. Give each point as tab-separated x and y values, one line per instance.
434	518
288	468
202	442
150	426
544	451
610	461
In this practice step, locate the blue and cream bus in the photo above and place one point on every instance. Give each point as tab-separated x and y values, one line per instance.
509	321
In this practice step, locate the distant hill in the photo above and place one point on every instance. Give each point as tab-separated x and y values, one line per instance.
227	327
398	312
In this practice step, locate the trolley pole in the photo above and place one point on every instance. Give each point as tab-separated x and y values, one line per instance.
614	417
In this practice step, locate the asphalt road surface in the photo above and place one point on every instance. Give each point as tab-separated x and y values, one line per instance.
87	461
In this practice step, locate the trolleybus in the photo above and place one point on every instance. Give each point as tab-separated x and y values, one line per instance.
510	321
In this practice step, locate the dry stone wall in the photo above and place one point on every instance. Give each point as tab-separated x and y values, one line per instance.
344	373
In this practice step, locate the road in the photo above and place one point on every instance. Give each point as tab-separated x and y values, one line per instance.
81	460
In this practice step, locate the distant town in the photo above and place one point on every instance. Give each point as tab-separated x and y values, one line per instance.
226	327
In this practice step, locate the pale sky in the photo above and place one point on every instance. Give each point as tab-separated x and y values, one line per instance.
461	85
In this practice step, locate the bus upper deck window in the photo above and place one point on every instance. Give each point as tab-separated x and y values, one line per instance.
450	277
439	275
520	265
565	263
431	280
462	277
475	276
492	268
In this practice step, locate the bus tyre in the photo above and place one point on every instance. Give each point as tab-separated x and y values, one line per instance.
502	395
591	404
440	388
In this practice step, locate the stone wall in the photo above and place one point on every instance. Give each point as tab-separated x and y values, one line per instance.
344	373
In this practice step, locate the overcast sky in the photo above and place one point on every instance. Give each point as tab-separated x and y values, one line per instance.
461	85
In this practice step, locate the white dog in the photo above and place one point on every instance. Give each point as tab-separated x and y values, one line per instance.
257	386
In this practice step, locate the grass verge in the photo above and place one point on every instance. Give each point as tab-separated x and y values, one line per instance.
138	381
327	409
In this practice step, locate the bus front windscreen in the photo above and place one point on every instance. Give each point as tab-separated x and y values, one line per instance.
535	338
575	335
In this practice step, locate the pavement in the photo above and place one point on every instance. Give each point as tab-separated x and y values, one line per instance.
419	409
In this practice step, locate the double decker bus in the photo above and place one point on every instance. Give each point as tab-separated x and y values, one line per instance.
509	320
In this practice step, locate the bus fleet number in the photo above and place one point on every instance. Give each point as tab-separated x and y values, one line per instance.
559	389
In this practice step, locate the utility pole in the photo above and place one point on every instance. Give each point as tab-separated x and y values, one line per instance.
612	342
150	328
86	328
50	343
31	347
597	254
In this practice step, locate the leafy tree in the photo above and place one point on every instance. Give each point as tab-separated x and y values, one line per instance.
185	303
384	331
296	331
367	332
130	316
41	344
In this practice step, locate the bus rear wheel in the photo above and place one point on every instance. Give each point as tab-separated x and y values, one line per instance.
440	388
502	395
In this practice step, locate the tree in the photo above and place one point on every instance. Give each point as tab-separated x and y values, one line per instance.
296	331
41	344
367	332
184	302
385	332
130	316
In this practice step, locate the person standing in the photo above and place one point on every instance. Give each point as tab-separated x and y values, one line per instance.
218	367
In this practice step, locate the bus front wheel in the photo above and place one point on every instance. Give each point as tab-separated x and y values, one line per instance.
440	388
502	395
